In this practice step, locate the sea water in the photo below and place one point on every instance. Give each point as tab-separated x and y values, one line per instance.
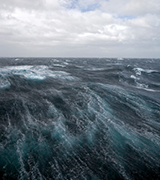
79	119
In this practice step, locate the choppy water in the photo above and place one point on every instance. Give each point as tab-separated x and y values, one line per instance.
79	119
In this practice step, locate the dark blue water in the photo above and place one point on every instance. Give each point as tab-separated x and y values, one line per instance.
79	119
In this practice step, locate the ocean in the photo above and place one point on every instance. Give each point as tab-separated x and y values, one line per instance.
79	119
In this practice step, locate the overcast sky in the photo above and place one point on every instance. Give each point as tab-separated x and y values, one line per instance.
80	28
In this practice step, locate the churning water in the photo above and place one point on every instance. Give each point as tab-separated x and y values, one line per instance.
79	119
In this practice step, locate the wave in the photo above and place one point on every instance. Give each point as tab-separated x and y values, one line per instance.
140	70
37	73
73	123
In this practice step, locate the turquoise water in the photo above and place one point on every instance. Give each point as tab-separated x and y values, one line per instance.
79	119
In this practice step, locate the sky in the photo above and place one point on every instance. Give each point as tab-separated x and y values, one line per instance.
80	28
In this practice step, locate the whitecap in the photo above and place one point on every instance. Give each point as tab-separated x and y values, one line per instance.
133	77
81	67
29	72
144	87
59	65
140	70
35	72
17	59
65	63
139	85
95	69
34	76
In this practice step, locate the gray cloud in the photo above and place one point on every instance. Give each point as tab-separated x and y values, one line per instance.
80	28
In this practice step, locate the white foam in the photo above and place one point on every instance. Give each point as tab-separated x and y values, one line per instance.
139	85
34	76
145	87
139	70
95	69
133	77
35	72
65	63
59	65
17	59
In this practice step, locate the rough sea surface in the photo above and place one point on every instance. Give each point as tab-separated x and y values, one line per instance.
79	119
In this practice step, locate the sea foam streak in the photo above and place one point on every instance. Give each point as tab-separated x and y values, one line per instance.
81	119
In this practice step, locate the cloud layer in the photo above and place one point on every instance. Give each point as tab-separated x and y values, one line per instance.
80	28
